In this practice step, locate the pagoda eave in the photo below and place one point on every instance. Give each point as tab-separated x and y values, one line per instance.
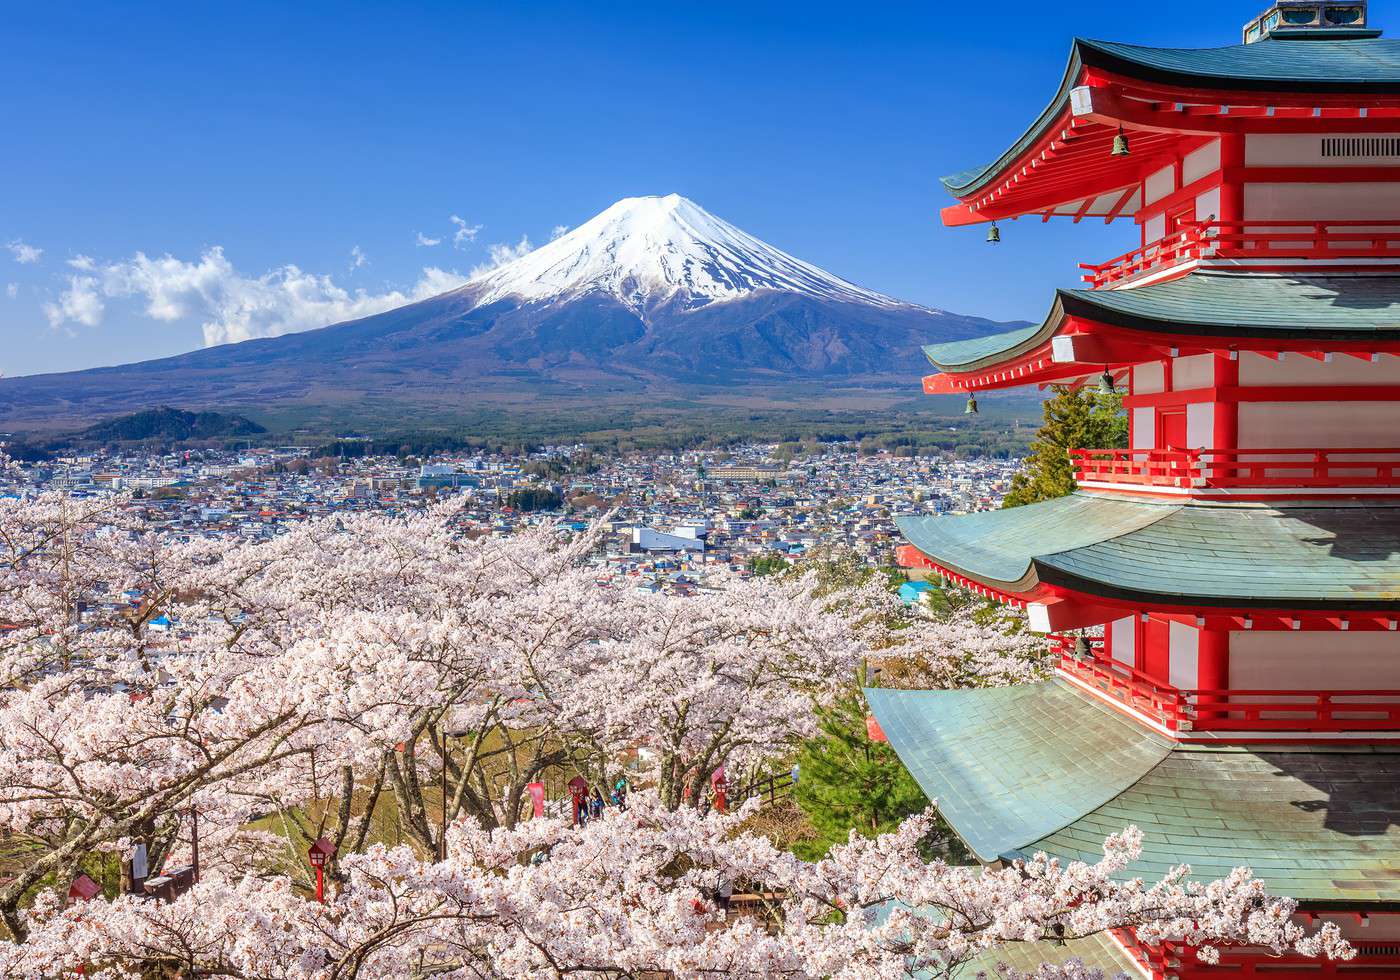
1062	165
1065	560
1009	791
1089	330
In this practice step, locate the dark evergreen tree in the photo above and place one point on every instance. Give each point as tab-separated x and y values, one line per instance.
847	781
1074	419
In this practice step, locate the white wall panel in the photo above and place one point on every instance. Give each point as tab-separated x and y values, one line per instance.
1208	205
1159	185
1312	425
1154	228
1315	202
1144	426
1198	163
1335	660
1195	371
1183	655
1300	150
1200	425
1148	378
1124	637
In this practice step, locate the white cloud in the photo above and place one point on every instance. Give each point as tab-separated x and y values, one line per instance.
12	290
230	307
24	254
81	303
502	252
84	262
425	242
465	233
559	232
358	259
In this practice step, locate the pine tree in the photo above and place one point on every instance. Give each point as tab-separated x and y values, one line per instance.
1074	419
847	782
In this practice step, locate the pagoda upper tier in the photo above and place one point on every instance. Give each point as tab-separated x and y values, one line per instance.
1193	111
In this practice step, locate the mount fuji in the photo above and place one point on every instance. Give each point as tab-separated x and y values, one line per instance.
652	295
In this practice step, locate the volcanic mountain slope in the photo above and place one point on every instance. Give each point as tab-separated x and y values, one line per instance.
651	294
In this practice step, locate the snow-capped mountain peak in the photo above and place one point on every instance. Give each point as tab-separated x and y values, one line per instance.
644	251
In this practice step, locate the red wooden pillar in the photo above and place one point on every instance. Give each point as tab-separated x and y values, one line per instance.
1232	183
1213	665
1156	650
1226	434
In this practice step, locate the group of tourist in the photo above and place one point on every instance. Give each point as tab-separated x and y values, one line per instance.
593	806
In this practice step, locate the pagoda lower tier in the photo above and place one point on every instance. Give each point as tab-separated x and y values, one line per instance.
1203	620
1048	768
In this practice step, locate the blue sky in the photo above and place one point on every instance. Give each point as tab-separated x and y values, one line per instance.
228	143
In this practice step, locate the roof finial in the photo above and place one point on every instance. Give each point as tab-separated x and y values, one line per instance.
1320	19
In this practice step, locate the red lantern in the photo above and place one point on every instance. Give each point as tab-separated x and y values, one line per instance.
537	796
319	854
719	784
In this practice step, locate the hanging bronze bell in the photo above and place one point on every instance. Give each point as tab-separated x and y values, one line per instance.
1120	144
994	233
971	408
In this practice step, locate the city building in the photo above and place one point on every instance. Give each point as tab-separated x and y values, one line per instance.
1226	591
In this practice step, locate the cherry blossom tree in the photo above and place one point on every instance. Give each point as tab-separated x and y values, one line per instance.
635	894
727	677
364	662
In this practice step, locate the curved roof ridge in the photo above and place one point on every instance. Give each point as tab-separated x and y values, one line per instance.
1004	546
1012	765
1368	64
1207	303
1314	824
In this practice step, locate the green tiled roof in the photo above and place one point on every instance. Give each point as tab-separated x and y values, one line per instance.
968	351
1324	307
1365	64
977	752
1307	557
1317	825
1097	952
999	546
1044	767
1219	304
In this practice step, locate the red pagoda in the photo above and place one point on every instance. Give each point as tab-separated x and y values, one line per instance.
1225	593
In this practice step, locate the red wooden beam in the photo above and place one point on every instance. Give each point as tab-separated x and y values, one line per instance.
1121	204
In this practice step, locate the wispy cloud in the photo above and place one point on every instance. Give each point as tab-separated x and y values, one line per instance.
465	233
85	262
500	253
229	306
425	242
358	259
12	290
24	254
559	231
81	303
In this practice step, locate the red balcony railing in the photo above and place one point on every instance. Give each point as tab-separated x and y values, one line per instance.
1176	248
1283	241
1126	685
1235	710
1239	468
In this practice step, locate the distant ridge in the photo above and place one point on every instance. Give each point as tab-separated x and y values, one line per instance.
649	299
166	423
